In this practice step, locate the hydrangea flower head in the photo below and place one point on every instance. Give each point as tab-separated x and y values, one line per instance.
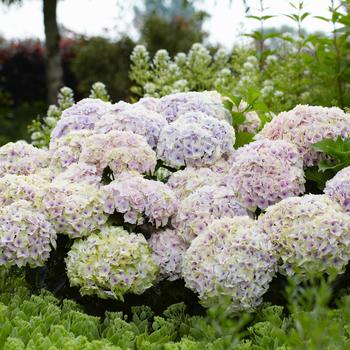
205	205
168	249
195	139
138	120
185	182
311	234
232	258
22	187
75	209
81	116
150	103
80	172
26	237
136	197
208	102
305	125
111	263
120	151
66	150
265	172
21	158
338	188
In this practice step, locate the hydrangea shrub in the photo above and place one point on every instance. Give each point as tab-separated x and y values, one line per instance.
75	209
26	236
264	172
111	263
168	249
305	125
311	234
195	139
338	188
202	207
21	158
139	198
185	182
232	258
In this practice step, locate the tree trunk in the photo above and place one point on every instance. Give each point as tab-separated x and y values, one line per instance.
54	71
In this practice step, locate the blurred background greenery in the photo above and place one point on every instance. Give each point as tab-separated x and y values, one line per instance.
280	67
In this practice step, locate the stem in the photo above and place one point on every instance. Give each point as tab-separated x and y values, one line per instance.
262	40
338	61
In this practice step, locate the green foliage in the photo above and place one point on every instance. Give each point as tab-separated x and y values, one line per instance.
40	129
253	103
306	322
338	158
171	25
100	59
99	90
198	70
315	67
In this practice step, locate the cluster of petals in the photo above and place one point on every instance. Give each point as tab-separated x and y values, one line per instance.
22	187
21	158
208	102
223	165
26	236
305	125
66	150
311	234
79	173
185	182
111	263
137	198
168	249
338	188
231	259
202	207
118	150
75	209
138	120
150	103
195	139
264	172
81	116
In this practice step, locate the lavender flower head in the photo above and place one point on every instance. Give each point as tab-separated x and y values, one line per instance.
195	139
26	237
120	151
305	125
208	102
22	187
81	116
232	258
66	150
338	188
185	182
150	103
80	173
136	197
21	158
310	233
168	249
111	263
264	172
202	207
75	209
135	119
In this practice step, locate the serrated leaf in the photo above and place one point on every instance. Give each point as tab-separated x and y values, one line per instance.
243	138
238	118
